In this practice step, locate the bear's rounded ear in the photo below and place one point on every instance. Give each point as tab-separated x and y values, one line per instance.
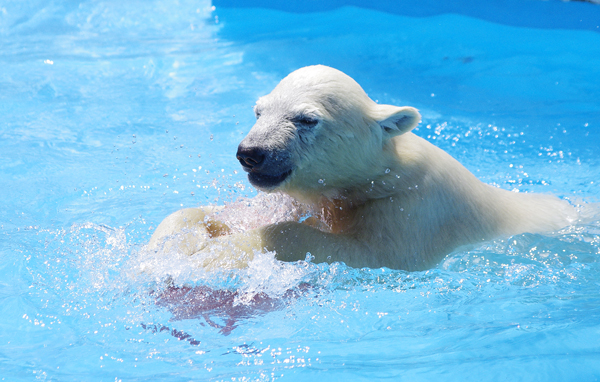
395	120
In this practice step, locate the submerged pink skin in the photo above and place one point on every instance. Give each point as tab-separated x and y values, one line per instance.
207	303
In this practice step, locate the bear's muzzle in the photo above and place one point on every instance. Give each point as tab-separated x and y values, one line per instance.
266	169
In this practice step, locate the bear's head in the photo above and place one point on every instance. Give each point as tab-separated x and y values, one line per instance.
318	133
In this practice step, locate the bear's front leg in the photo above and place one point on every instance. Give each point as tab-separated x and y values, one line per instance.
186	231
291	241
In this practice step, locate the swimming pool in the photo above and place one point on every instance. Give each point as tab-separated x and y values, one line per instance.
118	113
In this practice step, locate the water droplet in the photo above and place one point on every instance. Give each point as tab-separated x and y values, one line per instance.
387	170
321	181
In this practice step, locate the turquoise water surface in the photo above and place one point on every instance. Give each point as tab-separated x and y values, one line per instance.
116	113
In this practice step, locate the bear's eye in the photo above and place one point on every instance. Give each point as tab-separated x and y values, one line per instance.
257	114
305	121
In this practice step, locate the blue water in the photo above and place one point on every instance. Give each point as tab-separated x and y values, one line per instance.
116	113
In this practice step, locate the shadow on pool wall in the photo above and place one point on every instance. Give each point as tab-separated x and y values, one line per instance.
553	14
451	65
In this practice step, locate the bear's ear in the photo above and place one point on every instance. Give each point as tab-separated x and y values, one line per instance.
396	120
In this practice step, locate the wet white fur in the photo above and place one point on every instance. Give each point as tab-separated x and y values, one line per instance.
387	197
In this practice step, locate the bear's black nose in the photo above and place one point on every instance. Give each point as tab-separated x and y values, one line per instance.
250	157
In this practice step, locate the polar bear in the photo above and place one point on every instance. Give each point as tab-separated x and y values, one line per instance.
381	196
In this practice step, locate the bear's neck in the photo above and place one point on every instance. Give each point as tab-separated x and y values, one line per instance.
338	214
403	175
402	168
